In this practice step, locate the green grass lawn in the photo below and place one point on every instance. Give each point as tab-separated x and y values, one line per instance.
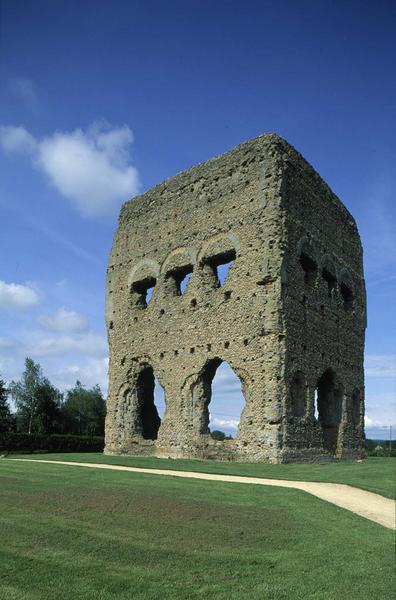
72	533
374	474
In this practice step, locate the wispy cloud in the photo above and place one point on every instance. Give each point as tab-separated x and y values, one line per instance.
35	344
24	90
88	343
380	410
64	320
58	238
90	168
15	296
380	365
17	140
7	344
378	230
63	357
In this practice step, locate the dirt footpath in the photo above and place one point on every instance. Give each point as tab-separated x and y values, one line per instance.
366	504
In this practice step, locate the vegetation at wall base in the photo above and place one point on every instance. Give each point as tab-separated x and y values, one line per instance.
23	442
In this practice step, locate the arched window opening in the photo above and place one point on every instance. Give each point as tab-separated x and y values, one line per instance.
218	400
149	293
331	280
221	265
223	271
347	295
182	277
184	282
177	280
316	409
159	398
329	403
355	408
141	291
298	394
151	403
309	267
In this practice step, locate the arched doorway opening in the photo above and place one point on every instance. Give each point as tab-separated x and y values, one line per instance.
218	400
150	403
328	398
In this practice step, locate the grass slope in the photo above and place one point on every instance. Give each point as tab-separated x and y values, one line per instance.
374	474
101	535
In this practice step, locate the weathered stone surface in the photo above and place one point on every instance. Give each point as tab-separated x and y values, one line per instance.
289	319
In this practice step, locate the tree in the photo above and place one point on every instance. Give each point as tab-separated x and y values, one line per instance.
220	436
84	411
49	401
379	450
6	420
36	399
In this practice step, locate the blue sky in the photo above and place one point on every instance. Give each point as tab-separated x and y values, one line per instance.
101	100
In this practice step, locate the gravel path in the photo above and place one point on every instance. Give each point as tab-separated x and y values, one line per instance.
366	504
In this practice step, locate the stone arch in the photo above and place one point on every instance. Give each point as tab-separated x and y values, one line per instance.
148	416
201	393
136	412
298	395
143	268
176	268
218	244
329	274
346	290
329	394
178	257
142	278
219	251
308	262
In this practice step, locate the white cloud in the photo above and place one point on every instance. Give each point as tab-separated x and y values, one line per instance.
380	365
380	413
64	320
63	358
16	139
90	168
24	90
225	423
381	423
91	372
17	296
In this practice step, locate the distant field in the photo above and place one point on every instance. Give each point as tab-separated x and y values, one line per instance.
72	533
374	474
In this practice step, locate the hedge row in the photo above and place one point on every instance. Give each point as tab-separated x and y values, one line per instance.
23	442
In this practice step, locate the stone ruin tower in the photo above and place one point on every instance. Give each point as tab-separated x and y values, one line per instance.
289	319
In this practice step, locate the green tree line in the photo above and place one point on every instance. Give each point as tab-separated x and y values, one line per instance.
42	409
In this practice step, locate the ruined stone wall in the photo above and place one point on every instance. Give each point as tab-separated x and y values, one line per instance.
324	310
257	205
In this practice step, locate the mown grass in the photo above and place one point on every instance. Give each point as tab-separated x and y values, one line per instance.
103	535
374	474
